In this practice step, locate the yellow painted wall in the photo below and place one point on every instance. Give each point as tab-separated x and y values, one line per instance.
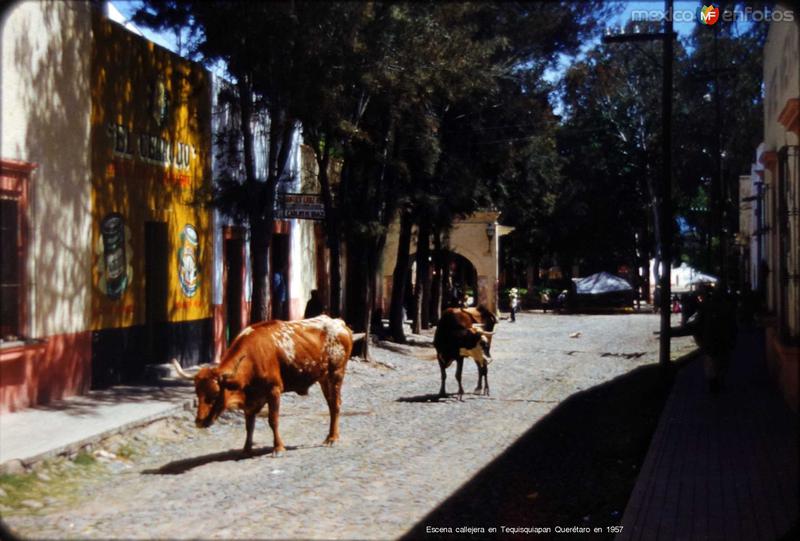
150	162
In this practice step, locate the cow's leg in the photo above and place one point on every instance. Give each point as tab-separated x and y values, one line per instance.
250	411
249	424
479	388
484	371
444	377
274	402
332	389
459	367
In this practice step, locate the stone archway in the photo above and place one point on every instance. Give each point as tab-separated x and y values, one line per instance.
461	281
475	238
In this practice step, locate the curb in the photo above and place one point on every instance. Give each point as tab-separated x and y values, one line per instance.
74	447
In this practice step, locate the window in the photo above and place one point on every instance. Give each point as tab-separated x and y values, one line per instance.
14	179
9	268
788	271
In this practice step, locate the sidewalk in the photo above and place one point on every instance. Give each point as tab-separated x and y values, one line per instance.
720	466
33	434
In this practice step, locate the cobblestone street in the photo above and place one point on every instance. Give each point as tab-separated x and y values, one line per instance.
401	453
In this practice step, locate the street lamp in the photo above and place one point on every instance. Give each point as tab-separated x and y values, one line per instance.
490	228
665	203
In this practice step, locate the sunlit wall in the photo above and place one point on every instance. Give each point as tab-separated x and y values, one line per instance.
46	56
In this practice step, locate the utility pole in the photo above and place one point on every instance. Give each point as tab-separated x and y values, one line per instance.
718	194
665	199
666	186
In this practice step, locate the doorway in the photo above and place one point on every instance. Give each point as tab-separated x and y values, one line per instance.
234	269
279	263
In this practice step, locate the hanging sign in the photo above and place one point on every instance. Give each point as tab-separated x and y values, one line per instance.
300	206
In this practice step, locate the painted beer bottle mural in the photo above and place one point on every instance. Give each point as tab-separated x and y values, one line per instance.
112	230
187	260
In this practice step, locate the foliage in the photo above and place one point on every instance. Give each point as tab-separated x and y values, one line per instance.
438	109
610	143
738	69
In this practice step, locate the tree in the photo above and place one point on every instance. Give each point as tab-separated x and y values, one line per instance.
724	74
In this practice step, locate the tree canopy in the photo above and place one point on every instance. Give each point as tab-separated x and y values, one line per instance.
434	110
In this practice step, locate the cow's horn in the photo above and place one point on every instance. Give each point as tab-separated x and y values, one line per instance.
181	373
486	333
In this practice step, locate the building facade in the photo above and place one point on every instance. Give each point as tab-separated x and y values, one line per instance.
780	201
112	257
106	251
297	251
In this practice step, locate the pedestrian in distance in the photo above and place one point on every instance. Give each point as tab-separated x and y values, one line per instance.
314	306
544	299
279	292
513	300
714	329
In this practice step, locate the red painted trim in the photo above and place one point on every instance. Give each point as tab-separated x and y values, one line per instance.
15	184
770	161
58	367
219	331
281	227
11	167
769	158
790	115
230	232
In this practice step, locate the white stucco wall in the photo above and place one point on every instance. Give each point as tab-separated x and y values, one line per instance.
781	78
781	102
45	118
224	119
303	260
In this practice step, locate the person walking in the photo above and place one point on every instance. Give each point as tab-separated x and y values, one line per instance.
280	296
513	298
314	306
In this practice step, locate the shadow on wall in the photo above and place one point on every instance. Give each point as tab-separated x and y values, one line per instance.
574	467
56	96
46	102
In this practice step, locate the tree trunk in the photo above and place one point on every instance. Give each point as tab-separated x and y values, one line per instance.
399	277
332	233
530	277
258	244
422	290
355	279
259	264
280	139
367	300
438	283
373	256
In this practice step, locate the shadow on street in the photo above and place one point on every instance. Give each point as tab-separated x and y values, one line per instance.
575	467
86	405
178	467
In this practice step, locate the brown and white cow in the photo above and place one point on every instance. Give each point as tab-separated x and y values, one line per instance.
457	336
271	358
